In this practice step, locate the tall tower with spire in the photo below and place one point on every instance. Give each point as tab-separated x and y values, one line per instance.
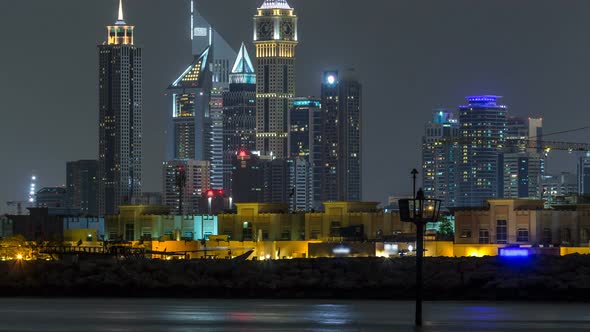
120	117
239	113
275	38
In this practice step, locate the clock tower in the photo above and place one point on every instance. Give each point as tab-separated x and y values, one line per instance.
275	38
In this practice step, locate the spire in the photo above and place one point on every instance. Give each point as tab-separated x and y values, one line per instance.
243	71
243	65
121	18
275	4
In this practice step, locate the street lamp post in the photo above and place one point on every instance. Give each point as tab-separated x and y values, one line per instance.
414	174
419	211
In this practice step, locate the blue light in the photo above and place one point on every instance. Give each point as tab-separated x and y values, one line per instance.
484	98
307	103
514	252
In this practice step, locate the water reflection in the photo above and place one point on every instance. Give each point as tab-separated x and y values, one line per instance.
282	315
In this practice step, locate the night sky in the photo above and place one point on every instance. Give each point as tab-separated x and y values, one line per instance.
412	56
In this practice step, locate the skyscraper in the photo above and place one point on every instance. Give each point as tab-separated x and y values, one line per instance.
239	113
221	55
523	172
342	137
247	178
261	179
185	183
483	131
584	175
82	186
202	36
120	117
520	128
440	152
523	167
275	38
189	128
216	143
300	188
306	123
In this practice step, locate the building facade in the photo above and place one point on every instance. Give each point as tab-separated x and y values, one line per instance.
520	128
189	127
239	114
553	186
275	38
584	174
247	178
82	186
306	126
482	130
301	184
156	223
440	153
51	197
120	117
523	172
342	137
185	183
260	179
273	222
523	222
216	144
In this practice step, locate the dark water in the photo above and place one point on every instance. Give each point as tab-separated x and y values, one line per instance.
149	315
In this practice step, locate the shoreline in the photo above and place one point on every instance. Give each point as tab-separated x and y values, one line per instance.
540	278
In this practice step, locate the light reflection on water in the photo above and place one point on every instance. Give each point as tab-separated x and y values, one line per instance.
150	315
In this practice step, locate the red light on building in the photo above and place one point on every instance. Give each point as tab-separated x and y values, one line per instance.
210	193
220	192
242	153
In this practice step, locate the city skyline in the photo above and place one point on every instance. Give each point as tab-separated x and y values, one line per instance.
404	139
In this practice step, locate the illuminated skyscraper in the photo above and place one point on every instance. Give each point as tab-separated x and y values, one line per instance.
439	157
306	124
120	116
209	131
483	133
239	113
523	168
275	38
189	131
342	137
202	36
523	172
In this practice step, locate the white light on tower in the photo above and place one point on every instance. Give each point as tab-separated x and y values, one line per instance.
331	79
32	189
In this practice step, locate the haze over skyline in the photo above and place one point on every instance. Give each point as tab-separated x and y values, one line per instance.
410	57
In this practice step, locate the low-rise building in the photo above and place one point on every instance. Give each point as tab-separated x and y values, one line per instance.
340	221
140	222
523	222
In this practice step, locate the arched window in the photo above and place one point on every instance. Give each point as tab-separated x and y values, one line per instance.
522	235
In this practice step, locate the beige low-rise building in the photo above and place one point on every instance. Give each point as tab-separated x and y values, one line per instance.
523	222
341	220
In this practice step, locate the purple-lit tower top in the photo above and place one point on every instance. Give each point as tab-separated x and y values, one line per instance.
483	101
